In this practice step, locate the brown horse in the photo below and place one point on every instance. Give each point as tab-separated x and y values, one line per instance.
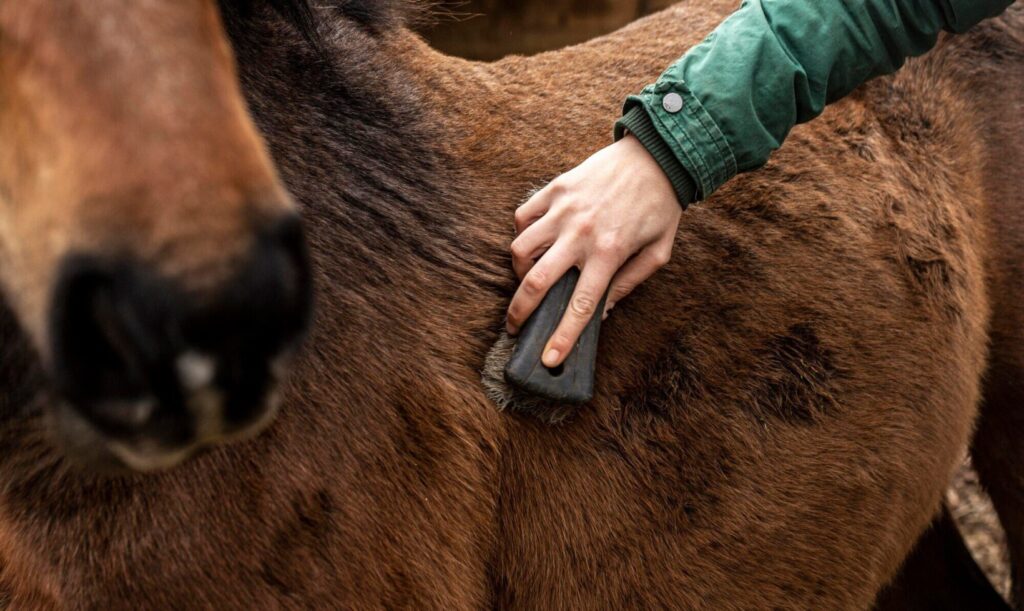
146	238
777	414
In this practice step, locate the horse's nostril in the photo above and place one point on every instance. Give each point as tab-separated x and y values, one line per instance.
145	360
283	261
108	328
257	316
265	307
101	339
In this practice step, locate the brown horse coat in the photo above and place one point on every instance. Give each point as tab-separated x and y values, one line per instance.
777	414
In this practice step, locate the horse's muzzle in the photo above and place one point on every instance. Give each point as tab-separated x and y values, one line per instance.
153	370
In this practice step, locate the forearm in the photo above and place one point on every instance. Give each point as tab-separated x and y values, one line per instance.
732	100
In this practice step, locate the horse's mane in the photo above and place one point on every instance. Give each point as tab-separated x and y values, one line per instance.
375	15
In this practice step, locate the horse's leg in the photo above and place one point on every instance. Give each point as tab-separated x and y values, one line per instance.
999	445
998	449
940	573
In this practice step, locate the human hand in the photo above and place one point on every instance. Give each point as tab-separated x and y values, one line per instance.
614	216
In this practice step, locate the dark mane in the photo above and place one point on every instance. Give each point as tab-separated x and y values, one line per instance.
304	15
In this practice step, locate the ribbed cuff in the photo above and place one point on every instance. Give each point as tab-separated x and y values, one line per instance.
640	125
689	131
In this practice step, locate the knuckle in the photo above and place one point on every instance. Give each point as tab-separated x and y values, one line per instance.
583	305
619	292
609	246
520	215
561	340
535	282
661	257
557	188
582	207
518	250
585	227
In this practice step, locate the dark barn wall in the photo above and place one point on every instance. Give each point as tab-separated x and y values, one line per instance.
489	29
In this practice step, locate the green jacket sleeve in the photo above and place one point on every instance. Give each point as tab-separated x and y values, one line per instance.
732	99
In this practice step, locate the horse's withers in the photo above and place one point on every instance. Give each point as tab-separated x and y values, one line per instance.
146	244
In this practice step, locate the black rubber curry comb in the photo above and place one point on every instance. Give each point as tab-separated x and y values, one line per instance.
571	382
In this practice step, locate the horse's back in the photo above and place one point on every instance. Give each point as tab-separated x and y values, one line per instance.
780	409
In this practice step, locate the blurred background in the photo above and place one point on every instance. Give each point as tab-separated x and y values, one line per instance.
489	29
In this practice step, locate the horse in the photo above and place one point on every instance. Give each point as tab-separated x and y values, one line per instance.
777	412
163	286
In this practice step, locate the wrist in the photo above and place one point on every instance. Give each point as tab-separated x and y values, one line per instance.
638	124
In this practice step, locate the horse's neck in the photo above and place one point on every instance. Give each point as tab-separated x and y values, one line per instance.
408	265
418	155
409	164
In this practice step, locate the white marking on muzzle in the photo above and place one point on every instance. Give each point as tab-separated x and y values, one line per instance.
195	370
204	400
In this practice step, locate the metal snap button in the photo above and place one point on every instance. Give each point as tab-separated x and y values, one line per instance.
672	103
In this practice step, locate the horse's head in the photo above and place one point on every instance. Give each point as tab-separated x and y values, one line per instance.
147	246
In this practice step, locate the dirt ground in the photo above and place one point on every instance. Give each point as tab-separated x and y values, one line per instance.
977	520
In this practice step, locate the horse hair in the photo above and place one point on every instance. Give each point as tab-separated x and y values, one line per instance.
778	411
374	15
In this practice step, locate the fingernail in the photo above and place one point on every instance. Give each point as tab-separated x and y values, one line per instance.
511	329
551	358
